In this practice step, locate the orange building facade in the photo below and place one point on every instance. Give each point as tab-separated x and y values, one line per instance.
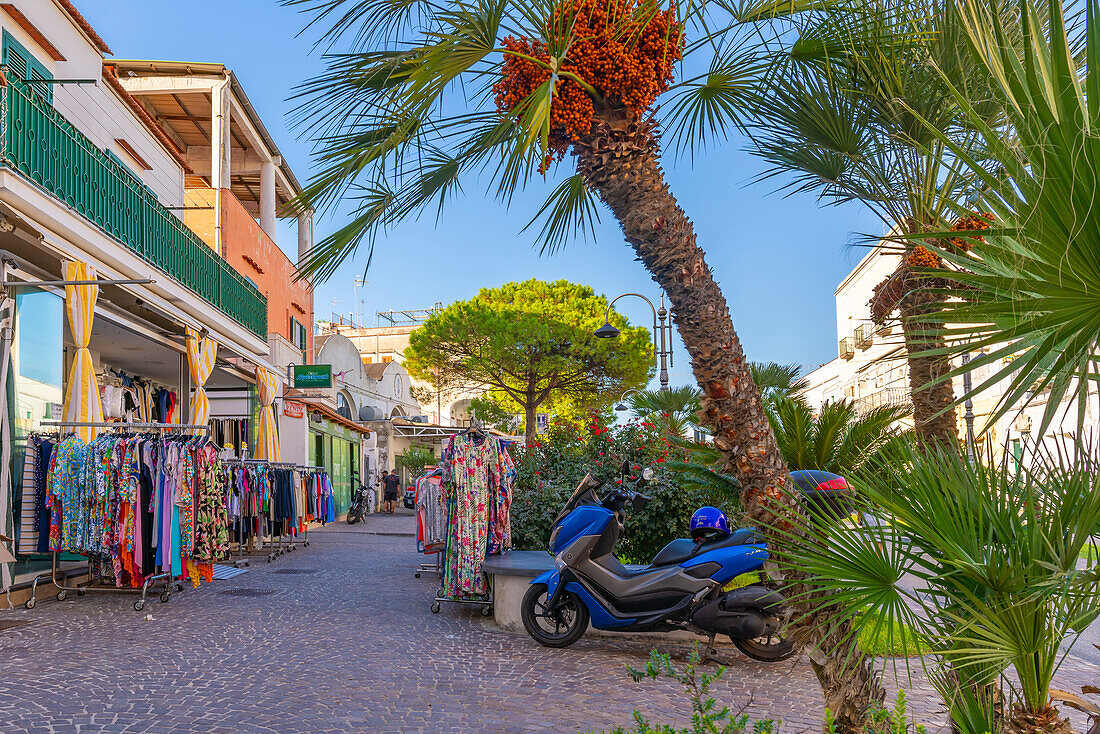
236	188
248	249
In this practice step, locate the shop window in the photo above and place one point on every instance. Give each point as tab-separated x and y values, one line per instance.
25	66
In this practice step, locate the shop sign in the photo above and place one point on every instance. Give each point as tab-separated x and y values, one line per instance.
312	375
293	410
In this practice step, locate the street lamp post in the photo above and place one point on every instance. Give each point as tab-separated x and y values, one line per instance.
662	352
969	414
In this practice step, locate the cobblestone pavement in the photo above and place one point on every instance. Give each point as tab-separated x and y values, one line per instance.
342	640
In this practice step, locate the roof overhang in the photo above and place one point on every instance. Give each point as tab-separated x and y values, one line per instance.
178	95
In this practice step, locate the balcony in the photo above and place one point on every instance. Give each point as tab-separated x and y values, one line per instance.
863	336
846	348
45	147
885	396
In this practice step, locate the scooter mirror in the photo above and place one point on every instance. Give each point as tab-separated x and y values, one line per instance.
649	473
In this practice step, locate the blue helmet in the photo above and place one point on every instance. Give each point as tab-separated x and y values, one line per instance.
709	521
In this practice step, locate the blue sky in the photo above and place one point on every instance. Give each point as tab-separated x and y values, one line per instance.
777	259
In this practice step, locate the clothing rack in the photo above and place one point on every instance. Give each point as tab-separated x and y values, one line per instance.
82	589
271	545
243	557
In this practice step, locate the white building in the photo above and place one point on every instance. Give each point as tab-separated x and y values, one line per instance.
871	369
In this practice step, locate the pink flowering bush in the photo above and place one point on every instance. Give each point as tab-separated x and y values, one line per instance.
551	468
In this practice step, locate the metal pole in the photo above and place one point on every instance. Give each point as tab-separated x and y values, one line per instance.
969	414
662	313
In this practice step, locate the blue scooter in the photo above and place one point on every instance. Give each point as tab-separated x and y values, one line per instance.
681	589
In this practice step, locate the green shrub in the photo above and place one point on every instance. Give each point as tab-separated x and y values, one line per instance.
708	718
550	469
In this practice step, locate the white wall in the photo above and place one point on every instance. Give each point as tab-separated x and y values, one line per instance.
95	110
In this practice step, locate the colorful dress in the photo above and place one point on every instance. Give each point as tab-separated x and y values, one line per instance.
477	477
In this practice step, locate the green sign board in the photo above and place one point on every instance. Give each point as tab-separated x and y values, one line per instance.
312	375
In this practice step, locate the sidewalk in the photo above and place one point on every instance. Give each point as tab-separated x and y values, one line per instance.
338	637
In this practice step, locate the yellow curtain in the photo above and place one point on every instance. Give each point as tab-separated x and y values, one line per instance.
267	446
82	394
201	352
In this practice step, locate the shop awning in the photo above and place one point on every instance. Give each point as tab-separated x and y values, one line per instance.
335	417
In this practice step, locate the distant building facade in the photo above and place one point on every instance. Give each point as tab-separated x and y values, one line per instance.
871	369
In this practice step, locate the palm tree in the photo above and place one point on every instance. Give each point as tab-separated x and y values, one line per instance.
673	410
838	438
504	90
431	95
852	95
777	379
1029	292
991	561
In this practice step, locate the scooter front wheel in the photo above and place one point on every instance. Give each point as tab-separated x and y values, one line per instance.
558	627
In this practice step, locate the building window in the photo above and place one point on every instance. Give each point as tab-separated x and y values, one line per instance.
343	405
387	360
24	66
298	333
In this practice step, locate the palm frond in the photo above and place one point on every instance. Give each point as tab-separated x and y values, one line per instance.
570	212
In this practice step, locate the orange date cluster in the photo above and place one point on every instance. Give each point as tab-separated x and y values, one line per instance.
921	257
623	49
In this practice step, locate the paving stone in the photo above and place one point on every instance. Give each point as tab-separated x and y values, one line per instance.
354	647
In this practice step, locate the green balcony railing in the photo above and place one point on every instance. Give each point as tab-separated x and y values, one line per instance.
46	148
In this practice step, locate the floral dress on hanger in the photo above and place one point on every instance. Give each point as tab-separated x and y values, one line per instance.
477	475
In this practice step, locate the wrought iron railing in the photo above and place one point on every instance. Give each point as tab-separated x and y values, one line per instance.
40	143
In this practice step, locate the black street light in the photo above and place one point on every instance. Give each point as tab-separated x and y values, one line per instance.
622	399
660	353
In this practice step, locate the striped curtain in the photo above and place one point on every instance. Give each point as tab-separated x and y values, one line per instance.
267	448
82	393
201	352
7	425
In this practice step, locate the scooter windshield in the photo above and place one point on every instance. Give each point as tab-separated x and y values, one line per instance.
584	494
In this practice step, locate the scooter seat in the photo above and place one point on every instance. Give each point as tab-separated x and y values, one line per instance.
682	549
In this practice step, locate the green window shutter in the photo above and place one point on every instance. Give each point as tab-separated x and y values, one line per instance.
26	67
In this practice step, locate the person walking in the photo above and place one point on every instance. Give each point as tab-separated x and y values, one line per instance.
391	483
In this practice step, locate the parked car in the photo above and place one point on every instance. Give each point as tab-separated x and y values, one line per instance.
409	500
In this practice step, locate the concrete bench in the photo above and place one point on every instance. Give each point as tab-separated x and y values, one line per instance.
512	573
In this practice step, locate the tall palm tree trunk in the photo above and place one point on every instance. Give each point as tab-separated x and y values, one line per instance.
933	418
620	161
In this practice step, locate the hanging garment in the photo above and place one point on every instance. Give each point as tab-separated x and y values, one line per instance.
477	473
431	512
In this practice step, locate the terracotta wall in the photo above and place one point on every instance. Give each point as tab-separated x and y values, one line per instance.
248	249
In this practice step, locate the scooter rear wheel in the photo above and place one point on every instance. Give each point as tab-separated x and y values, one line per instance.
560	627
768	649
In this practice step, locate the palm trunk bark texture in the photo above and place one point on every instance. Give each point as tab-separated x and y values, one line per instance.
620	161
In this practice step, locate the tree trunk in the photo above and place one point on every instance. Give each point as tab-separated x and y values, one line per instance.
620	161
933	424
530	434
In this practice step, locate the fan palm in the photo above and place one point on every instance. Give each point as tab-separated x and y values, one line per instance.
673	410
838	438
852	95
981	562
777	379
1029	296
